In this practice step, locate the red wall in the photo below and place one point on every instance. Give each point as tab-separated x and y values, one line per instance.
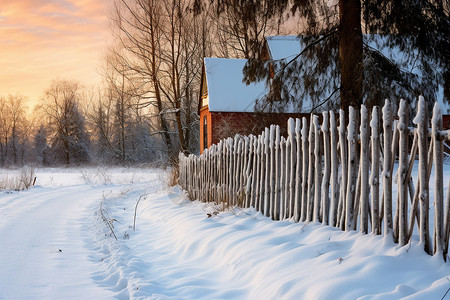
446	121
222	125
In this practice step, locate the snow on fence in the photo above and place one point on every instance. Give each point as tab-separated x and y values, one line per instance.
338	176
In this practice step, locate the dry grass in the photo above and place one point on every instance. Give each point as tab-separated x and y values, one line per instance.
18	182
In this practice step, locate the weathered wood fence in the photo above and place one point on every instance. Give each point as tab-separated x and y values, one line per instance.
335	175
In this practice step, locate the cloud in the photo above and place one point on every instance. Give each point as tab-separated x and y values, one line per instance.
44	39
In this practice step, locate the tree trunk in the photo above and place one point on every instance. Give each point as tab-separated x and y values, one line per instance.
350	53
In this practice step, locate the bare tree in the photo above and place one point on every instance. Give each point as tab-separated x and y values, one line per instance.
241	26
14	129
5	128
68	137
162	45
18	126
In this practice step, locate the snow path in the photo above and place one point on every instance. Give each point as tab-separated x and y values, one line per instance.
43	239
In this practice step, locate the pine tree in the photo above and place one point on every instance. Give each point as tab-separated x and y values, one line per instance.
40	146
402	53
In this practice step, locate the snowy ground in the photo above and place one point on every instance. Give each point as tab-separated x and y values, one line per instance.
54	244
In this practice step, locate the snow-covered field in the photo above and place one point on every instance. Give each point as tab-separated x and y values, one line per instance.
54	244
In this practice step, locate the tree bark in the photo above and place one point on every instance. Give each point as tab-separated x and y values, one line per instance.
350	53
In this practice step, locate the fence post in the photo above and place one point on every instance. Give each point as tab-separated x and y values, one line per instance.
276	198
402	172
254	171
305	160
334	171
344	156
291	167
447	223
327	169
298	172
220	172
421	120
287	177
364	161
244	173
238	173
318	169
249	171
282	179
387	156
351	178
375	173
262	176
265	207
229	163
272	188
310	206
436	125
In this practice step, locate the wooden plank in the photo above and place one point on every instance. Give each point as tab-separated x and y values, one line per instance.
282	177
263	172
292	166
352	169
438	156
310	207
387	178
344	171
249	171
317	170
327	169
402	172
305	159
276	198
375	171
421	120
364	166
298	172
265	206
447	223
272	187
334	200
287	179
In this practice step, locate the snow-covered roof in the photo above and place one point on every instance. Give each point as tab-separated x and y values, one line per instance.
280	47
226	91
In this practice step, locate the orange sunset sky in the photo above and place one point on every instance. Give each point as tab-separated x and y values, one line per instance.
43	40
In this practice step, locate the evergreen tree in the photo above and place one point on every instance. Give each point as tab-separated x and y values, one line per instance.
40	146
69	143
403	52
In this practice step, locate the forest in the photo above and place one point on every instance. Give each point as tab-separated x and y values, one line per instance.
145	110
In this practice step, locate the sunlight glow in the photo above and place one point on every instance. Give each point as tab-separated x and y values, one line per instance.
41	40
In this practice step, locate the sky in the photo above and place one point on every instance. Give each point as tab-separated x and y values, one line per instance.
44	40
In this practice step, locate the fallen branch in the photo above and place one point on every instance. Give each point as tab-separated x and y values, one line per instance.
135	210
106	220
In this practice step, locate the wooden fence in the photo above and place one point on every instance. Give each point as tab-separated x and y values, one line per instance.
335	175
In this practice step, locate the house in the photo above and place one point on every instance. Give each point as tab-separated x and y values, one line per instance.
226	104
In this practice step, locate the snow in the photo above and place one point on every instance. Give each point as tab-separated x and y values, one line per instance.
420	116
54	245
226	90
283	47
374	123
436	119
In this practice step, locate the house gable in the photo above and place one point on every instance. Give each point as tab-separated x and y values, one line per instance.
226	90
282	47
